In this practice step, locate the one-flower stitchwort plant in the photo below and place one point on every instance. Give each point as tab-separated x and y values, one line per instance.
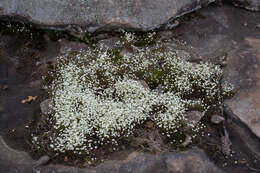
101	95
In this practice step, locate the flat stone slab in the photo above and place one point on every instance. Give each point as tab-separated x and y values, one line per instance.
95	15
246	104
193	161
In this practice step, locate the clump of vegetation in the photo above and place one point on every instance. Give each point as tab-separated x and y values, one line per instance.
32	32
101	95
134	39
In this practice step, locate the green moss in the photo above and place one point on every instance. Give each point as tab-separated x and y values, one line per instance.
116	55
139	39
90	40
145	40
156	76
178	137
73	54
32	32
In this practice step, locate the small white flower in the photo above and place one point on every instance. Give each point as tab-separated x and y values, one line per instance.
97	100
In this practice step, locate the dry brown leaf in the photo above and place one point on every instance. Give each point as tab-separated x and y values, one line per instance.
149	124
29	99
85	164
66	159
24	101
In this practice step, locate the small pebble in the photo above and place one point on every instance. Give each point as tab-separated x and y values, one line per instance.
216	119
144	84
46	106
38	63
187	141
5	87
42	161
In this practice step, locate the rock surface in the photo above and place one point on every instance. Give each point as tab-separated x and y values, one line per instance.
246	104
217	34
193	118
220	34
193	161
99	15
213	33
253	5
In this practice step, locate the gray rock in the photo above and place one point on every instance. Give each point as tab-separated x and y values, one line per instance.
48	170
45	106
173	24
216	119
142	163
241	132
92	15
192	118
38	63
226	143
193	161
5	87
253	5
12	156
187	141
69	46
246	103
42	161
110	43
242	63
183	54
144	84
36	83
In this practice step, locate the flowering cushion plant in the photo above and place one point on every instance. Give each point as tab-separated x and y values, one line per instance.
99	96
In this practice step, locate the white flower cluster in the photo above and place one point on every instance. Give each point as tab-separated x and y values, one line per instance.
84	117
98	96
227	89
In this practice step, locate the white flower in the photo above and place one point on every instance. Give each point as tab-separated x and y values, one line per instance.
97	100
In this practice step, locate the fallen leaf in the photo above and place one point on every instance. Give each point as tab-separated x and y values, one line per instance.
85	164
24	101
32	98
29	99
66	159
149	124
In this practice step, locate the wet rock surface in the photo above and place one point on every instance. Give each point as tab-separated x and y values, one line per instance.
213	34
99	15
